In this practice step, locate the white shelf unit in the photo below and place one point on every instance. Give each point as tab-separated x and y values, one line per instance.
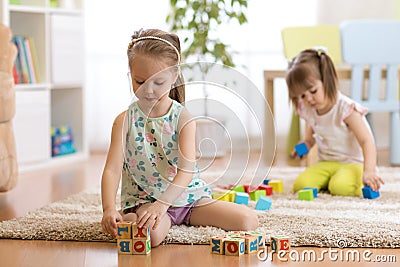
59	96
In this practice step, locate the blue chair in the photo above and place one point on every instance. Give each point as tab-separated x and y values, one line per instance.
375	44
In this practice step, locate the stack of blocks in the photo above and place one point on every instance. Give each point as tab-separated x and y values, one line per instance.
132	239
237	243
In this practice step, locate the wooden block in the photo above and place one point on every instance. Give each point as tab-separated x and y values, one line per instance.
263	203
268	189
141	246
140	232
217	245
124	246
124	230
250	244
369	193
260	237
255	195
306	194
242	198
280	242
277	185
234	246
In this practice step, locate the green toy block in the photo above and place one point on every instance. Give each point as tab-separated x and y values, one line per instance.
239	188
306	194
255	195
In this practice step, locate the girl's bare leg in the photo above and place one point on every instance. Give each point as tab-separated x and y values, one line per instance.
225	215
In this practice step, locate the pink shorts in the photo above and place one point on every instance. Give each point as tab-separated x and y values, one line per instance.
178	215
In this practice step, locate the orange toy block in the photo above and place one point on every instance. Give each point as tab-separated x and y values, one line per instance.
217	245
124	230
280	242
139	232
250	244
124	246
234	246
141	246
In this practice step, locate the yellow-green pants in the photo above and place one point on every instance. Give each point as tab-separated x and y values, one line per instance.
341	179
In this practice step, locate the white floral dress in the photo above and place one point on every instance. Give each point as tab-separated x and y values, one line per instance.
151	159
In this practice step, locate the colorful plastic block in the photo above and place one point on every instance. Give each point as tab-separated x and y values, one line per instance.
314	189
280	242
124	246
141	246
124	230
242	198
221	196
234	246
250	244
239	188
255	195
265	182
263	203
369	193
301	149
306	194
217	245
277	185
268	189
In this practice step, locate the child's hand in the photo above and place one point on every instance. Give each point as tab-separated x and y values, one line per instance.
109	221
372	180
150	215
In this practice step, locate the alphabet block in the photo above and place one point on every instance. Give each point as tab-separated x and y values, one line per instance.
369	193
280	242
263	203
306	194
124	246
124	230
250	244
277	185
260	237
141	246
217	245
234	246
140	232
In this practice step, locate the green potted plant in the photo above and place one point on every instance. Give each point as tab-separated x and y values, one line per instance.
198	22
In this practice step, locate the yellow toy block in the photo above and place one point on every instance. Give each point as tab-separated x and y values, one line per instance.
260	237
139	232
222	196
277	185
250	244
217	245
280	242
124	230
234	246
124	246
141	246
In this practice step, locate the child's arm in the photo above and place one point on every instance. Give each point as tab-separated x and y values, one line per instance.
309	140
111	177
186	143
358	126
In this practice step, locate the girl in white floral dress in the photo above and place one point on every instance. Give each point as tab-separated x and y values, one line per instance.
153	150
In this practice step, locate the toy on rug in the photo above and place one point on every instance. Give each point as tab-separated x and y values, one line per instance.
8	151
237	243
369	193
132	239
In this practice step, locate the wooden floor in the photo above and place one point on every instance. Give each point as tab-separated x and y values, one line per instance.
38	188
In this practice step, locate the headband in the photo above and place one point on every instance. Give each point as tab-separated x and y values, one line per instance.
155	38
321	50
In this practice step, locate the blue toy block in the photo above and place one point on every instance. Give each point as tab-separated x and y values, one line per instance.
265	182
263	203
314	189
242	198
301	149
369	193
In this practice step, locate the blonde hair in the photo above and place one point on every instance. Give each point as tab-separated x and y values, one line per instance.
161	45
310	65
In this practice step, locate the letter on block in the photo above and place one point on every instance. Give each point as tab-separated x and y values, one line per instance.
280	242
301	149
124	230
141	246
251	244
217	244
138	232
369	193
260	237
234	246
242	198
277	185
306	194
124	246
263	203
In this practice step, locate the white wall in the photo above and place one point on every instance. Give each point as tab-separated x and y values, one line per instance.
258	43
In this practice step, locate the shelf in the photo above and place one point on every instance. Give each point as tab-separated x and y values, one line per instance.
31	86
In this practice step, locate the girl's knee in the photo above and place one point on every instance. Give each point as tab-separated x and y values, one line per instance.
247	221
156	239
343	190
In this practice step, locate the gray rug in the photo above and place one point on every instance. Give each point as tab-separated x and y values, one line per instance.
328	221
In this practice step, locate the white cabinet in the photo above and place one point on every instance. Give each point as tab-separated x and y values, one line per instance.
57	98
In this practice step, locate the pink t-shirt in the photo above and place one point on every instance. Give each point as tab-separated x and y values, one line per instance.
336	142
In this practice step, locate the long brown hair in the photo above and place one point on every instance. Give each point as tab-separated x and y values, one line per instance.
309	65
169	51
